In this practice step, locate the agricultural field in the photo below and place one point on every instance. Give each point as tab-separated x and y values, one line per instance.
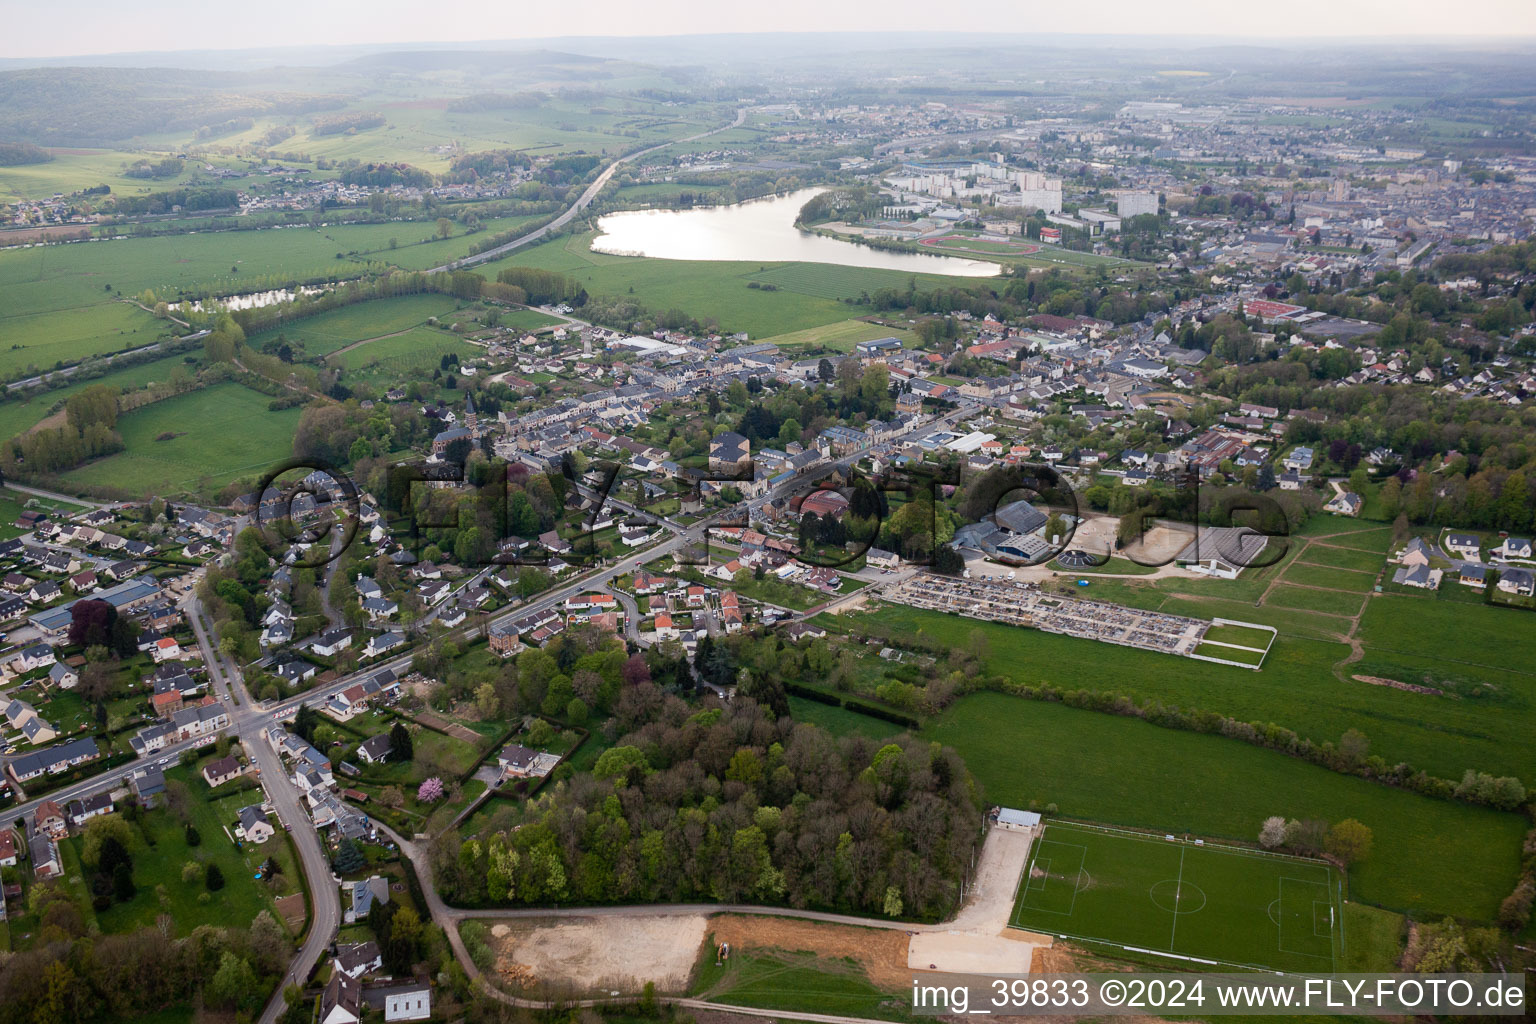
403	356
219	433
1214	902
1020	752
840	721
777	979
613	124
807	294
841	336
43	341
528	319
1305	684
337	328
19	414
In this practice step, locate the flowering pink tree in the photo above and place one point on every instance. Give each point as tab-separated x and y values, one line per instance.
431	791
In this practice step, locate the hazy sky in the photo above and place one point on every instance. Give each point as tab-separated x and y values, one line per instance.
111	26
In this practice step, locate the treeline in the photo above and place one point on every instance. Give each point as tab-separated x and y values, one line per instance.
90	415
343	123
469	166
543	287
14	154
169	167
254	321
740	805
380	175
1014	298
208	197
71	976
234	124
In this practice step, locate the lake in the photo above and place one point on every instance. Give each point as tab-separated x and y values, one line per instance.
758	231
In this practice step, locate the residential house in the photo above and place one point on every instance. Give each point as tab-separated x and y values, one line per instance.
1521	582
62	676
401	1001
254	826
55	759
503	639
165	649
1421	576
1415	554
34	657
382	643
342	1000
1474	576
1466	545
148	784
1345	503
375	749
49	817
78	812
1514	547
359	958
332	642
225	769
44	851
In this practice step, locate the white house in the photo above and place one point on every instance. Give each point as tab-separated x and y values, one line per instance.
1466	545
1514	547
408	1001
254	826
1521	582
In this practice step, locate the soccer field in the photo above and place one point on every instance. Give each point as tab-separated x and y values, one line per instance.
1212	903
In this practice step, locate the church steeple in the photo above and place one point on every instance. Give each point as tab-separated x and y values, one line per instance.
471	420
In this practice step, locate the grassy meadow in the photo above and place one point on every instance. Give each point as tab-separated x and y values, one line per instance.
221	433
808	294
1123	771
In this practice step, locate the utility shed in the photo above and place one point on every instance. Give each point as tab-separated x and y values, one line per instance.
1010	818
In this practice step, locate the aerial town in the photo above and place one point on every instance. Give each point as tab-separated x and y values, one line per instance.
532	532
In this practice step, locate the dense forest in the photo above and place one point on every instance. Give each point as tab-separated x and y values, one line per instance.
738	805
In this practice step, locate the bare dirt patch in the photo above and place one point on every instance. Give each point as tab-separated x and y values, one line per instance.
291	909
589	953
457	730
882	952
1399	685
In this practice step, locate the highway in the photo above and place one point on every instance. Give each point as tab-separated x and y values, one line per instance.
582	201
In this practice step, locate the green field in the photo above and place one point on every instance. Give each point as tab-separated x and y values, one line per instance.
1126	772
1244	635
1326	602
223	432
1346	557
803	981
19	414
404	356
1308	574
807	294
841	336
1298	687
841	721
337	328
1214	903
1238	655
528	319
